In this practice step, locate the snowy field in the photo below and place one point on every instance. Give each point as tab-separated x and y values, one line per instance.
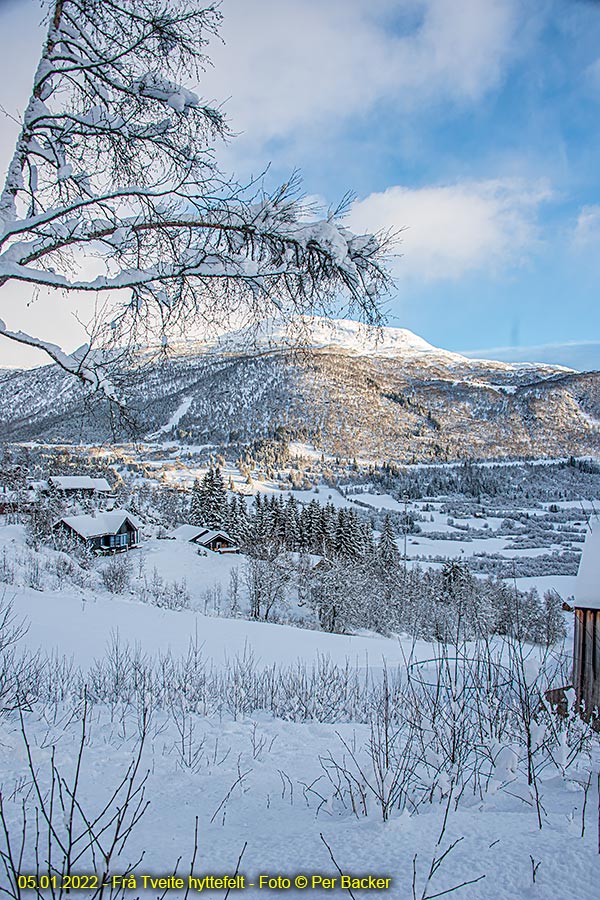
268	785
288	745
258	783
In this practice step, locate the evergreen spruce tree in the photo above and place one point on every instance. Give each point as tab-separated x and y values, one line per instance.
213	498
311	523
327	536
204	494
290	525
237	523
196	514
348	534
263	536
369	550
218	498
388	555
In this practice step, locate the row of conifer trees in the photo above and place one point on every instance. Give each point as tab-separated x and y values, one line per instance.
271	524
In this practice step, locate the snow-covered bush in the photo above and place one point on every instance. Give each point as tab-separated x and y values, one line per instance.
116	573
7	567
166	594
174	595
267	584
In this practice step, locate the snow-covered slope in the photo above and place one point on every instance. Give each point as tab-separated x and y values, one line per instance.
344	335
315	332
284	750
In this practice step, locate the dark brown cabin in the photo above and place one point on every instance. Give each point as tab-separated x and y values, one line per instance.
215	540
106	532
210	539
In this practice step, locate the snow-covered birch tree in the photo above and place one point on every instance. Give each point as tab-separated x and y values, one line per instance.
114	168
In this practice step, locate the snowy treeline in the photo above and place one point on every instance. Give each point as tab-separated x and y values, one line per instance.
360	581
429	603
273	525
565	563
493	484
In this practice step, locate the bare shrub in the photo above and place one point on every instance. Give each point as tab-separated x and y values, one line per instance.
267	583
168	595
7	567
74	837
20	671
116	574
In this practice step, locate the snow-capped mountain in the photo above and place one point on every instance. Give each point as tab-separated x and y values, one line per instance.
319	333
348	389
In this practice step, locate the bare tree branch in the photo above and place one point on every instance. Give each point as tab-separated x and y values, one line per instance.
114	171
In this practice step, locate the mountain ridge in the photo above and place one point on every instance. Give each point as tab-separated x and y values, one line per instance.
396	398
319	333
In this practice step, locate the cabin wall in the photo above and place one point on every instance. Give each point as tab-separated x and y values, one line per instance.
586	670
124	538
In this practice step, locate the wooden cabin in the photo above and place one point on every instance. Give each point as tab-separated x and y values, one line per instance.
216	540
210	539
586	651
106	532
79	485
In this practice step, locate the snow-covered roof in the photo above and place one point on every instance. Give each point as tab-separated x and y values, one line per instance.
188	532
100	484
79	483
200	534
208	534
587	586
103	523
38	485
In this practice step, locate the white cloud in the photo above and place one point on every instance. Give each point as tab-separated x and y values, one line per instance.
592	75
587	229
290	65
452	229
302	69
583	356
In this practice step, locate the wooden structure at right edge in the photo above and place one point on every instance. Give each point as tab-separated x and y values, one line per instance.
586	651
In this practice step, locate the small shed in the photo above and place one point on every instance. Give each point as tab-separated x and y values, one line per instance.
586	651
105	532
211	539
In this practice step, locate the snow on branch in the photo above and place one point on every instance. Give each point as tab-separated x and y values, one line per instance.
74	364
115	163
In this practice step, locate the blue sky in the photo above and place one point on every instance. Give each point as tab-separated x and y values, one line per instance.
473	126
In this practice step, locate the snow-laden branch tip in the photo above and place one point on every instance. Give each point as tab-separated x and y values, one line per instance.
74	364
115	162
